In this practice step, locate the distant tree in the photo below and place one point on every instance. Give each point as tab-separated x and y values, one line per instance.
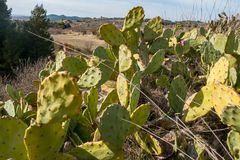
5	28
38	24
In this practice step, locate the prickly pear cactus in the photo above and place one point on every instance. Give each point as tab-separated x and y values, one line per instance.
90	78
125	58
148	143
134	18
75	65
111	98
134	91
139	117
153	29
59	98
219	42
198	105
155	62
11	139
132	39
159	43
219	72
233	142
231	117
215	96
92	151
122	89
111	35
223	96
44	141
114	126
177	94
59	58
9	107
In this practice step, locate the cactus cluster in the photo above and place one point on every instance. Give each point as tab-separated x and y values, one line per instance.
86	108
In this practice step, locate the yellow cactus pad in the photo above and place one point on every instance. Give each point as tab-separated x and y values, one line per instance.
219	72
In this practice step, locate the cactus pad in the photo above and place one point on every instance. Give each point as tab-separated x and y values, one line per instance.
134	91
112	126
59	58
111	98
132	38
125	58
44	141
219	42
11	139
177	94
148	143
134	18
199	105
223	96
76	66
122	89
111	35
58	98
90	78
153	29
233	142
159	43
219	72
155	62
92	151
139	117
231	117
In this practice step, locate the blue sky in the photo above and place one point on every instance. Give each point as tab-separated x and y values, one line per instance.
167	9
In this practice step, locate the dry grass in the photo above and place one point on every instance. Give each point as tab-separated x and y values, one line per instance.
25	74
85	43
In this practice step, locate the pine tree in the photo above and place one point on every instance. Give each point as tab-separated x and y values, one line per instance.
38	24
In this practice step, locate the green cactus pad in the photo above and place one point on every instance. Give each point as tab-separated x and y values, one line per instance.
122	89
155	62
179	68
44	141
59	98
139	117
90	78
59	59
64	157
199	104
143	56
111	35
92	100
163	81
100	52
219	42
125	58
134	91
159	43
148	143
111	98
177	94
113	127
168	33
153	29
75	65
219	72
12	92
209	55
93	151
132	38
11	139
233	142
134	18
231	44
231	117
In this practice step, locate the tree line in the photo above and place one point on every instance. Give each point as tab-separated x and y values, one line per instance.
15	41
